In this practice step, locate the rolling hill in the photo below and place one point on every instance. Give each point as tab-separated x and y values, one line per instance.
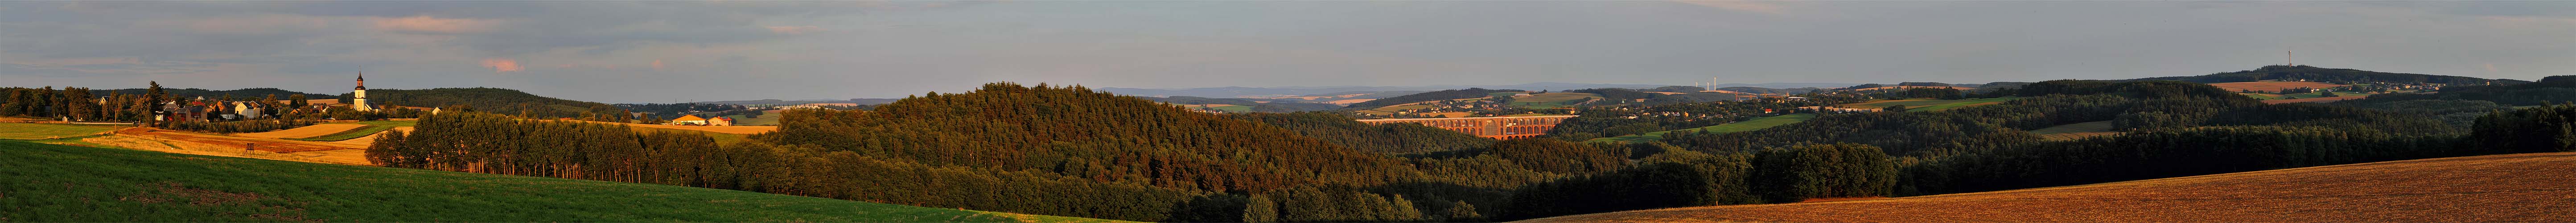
495	100
2495	188
2318	74
55	183
1428	96
245	93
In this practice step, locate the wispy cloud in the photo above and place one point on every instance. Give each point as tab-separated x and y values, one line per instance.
435	25
499	65
793	30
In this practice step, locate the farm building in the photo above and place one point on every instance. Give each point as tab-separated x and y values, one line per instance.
689	120
720	121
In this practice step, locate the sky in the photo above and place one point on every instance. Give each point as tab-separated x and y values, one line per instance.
682	51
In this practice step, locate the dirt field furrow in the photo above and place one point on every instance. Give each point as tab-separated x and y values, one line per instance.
2498	188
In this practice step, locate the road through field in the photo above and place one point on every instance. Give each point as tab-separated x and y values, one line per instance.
2498	188
304	132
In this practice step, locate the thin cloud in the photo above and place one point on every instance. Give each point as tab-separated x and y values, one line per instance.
435	25
657	64
499	65
793	30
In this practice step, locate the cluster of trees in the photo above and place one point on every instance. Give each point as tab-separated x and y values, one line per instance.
49	102
1689	178
2542	129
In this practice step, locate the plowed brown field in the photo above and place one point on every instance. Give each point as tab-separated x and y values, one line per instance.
2499	188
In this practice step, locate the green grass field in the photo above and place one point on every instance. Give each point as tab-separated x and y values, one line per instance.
55	183
1552	100
764	119
346	135
32	131
1743	126
403	123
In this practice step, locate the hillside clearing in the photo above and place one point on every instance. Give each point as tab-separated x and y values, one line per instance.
53	183
2076	131
1743	126
2496	188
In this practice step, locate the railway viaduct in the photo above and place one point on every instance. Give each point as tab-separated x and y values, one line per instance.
1505	128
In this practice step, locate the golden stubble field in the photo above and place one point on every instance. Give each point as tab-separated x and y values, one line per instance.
2538	187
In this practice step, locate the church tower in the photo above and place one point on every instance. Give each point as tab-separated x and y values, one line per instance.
359	102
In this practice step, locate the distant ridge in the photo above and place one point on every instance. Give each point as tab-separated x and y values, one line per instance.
2318	74
240	94
1239	92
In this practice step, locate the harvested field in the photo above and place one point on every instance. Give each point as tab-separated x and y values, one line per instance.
741	130
235	143
304	132
212	145
2272	86
1348	101
2325	99
2497	188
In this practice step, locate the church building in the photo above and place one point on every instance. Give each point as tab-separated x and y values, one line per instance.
359	98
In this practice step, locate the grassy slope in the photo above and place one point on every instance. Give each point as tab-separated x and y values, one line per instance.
1552	100
765	118
346	135
2497	188
53	183
1747	125
42	131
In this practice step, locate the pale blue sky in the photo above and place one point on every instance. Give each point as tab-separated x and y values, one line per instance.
727	50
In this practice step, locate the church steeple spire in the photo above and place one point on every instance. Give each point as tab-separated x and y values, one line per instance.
362	80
